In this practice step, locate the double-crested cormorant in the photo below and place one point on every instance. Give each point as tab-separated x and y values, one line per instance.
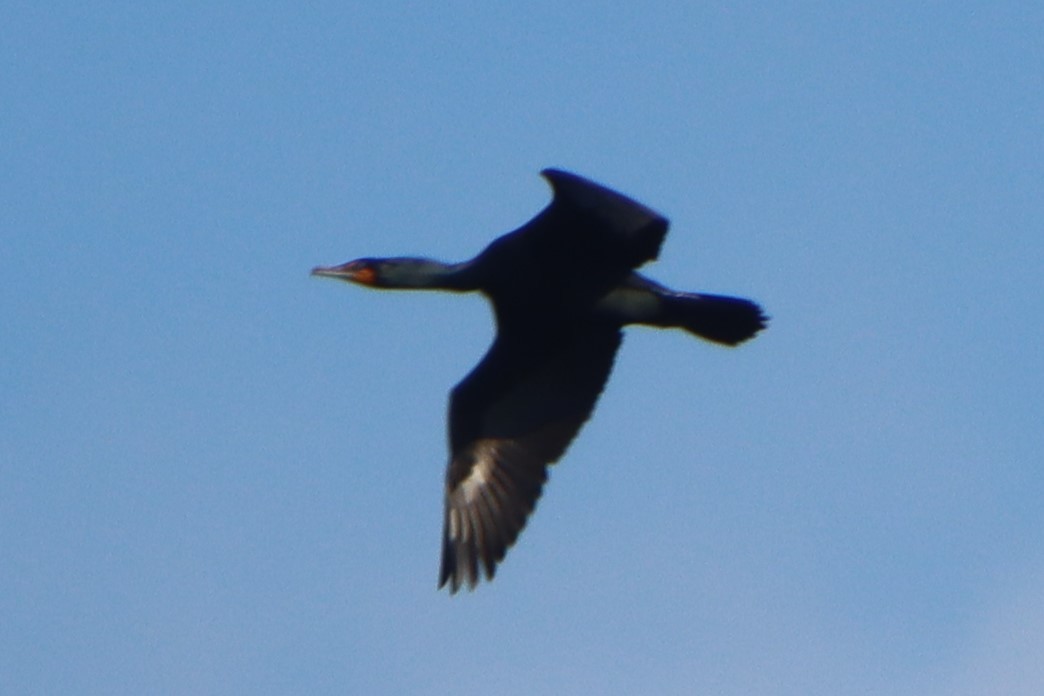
562	286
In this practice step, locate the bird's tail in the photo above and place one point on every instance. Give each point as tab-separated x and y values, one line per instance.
726	320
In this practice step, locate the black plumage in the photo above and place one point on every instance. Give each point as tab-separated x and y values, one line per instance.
562	286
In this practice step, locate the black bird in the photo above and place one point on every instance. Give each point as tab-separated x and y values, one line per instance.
562	286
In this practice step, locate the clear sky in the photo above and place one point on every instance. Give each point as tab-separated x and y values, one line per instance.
219	475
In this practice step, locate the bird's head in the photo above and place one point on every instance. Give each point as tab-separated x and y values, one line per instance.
404	273
361	271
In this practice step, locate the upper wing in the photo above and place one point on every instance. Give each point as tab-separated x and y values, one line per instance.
581	245
513	415
622	225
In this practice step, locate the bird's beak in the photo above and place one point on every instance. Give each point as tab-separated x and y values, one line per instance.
333	272
353	271
345	271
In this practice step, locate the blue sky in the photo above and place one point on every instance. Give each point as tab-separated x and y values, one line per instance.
219	475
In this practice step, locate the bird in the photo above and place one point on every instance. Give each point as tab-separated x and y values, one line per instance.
562	287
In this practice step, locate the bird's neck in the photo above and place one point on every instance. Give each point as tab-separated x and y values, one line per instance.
427	274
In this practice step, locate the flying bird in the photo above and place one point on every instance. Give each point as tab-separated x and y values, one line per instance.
562	286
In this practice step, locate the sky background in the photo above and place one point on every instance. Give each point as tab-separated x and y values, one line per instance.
219	475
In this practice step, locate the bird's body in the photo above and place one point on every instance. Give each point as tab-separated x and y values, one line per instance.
562	286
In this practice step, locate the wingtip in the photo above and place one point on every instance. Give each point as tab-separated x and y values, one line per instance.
562	180
552	173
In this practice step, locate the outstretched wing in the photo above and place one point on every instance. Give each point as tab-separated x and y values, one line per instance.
580	246
621	225
515	414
